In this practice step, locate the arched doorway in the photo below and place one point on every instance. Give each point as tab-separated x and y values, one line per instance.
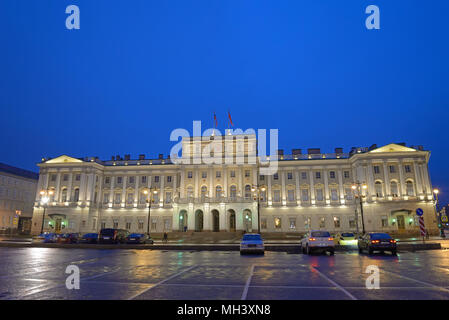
231	215
57	223
247	220
183	220
199	220
215	220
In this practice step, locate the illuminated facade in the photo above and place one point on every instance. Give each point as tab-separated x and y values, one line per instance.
310	190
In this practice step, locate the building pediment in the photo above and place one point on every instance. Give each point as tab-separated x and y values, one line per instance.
63	159
393	147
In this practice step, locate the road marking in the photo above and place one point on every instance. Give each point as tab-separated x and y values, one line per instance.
248	281
161	282
334	283
418	281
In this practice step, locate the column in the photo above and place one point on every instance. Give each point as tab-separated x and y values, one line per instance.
419	190
312	187
175	184
90	186
225	182
40	184
387	179
136	191
211	183
326	186
207	219
341	190
371	189
190	220
83	187
269	197
182	185
283	197
239	171
239	220
58	186
69	187
162	196
298	194
223	219
111	198
175	220
255	176
426	179
401	179
195	187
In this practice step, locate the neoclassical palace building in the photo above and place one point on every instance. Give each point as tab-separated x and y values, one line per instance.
309	190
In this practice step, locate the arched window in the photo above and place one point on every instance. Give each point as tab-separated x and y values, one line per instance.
233	192
378	187
76	196
410	188
64	195
203	191
394	188
247	191
218	191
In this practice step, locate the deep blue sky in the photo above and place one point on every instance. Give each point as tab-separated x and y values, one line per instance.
138	69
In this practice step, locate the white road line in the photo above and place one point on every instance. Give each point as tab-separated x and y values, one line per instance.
334	283
161	282
417	281
248	282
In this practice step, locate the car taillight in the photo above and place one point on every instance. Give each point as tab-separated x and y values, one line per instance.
375	241
331	239
392	241
312	239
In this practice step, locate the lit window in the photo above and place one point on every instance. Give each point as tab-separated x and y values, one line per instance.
277	223
292	223
336	222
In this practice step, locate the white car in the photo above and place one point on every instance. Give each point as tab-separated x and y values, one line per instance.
252	242
317	240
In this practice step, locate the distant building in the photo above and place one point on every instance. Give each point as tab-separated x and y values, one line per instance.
17	194
310	190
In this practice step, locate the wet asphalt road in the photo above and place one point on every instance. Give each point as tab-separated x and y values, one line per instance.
39	273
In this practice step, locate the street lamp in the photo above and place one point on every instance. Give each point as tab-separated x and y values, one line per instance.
437	214
257	191
44	202
358	187
149	192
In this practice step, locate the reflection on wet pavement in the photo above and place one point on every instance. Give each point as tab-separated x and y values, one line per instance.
39	273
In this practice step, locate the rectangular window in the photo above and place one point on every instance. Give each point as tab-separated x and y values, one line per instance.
103	224
319	195
292	223
352	223
384	221
322	222
275	176
115	224
53	177
168	179
376	169
289	176
153	224
332	174
291	195
105	198
204	174
392	169
346	174
336	222
262	178
407	168
119	180
277	223
131	180
247	173
167	224
334	195
305	195
140	225
144	179
307	223
218	174
156	179
349	195
77	177
118	198
168	197
318	175
303	175
263	223
130	198
94	224
65	177
276	195
189	174
232	174
128	226
107	180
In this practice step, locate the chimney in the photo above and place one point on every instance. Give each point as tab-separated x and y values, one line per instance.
161	156
314	151
338	150
141	157
280	152
127	157
296	152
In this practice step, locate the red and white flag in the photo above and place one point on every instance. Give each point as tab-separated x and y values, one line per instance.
230	119
215	119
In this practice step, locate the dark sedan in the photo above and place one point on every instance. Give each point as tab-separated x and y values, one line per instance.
89	238
139	238
377	242
68	238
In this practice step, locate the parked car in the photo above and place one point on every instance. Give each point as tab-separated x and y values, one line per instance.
110	235
46	237
89	238
68	238
345	239
376	241
139	238
252	243
318	240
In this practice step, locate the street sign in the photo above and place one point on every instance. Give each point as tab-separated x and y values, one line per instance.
422	228
444	218
419	212
15	221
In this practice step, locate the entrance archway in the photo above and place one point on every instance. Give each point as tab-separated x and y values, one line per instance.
215	220
247	220
231	215
199	220
183	220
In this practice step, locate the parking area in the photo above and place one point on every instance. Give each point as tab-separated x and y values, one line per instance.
39	273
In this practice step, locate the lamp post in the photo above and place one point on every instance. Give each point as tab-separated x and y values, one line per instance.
44	201
358	187
437	214
149	192
257	191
